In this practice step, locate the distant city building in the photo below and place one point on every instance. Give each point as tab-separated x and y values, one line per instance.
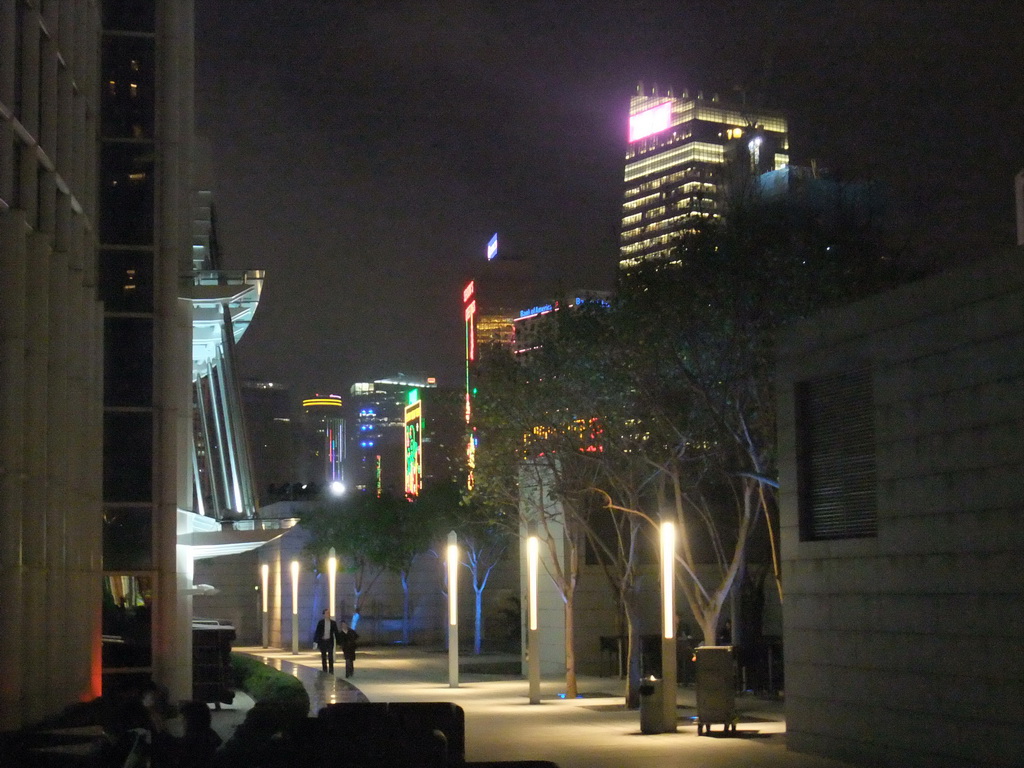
491	303
323	441
443	433
685	156
494	298
376	443
532	319
814	192
271	417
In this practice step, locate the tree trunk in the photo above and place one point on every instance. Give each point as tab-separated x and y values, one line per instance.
405	607
571	688
632	611
478	619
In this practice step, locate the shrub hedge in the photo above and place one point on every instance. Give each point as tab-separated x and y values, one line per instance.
268	685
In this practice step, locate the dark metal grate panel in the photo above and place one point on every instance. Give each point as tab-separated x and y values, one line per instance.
836	457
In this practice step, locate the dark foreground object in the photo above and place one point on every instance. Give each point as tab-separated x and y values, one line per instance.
358	735
348	735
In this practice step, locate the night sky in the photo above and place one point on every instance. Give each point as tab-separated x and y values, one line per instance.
365	150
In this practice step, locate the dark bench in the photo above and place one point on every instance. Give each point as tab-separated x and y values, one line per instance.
433	733
359	735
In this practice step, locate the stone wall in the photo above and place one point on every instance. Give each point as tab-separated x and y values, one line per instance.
906	648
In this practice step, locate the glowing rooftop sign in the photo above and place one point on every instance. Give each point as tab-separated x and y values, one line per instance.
492	247
538	310
332	400
542	309
650	121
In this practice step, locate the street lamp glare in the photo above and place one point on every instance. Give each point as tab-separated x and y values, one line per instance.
532	558
332	575
668	558
295	586
453	583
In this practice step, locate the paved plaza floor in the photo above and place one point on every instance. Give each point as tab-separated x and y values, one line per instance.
592	731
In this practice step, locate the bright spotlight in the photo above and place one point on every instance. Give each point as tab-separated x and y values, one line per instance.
337	488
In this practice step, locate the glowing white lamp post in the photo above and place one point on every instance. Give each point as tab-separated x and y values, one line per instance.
295	606
533	641
453	610
265	570
332	576
668	624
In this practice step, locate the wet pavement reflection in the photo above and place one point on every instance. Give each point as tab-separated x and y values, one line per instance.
323	687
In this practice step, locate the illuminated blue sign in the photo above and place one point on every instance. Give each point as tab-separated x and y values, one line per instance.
492	247
544	308
536	310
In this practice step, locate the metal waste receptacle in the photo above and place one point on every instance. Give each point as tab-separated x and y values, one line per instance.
716	688
652	715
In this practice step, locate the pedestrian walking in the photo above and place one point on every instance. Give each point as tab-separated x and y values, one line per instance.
324	637
347	638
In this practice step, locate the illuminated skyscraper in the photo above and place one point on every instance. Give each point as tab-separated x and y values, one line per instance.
686	156
324	440
491	302
376	413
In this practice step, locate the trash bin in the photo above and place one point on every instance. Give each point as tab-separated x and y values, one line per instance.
716	688
211	661
652	715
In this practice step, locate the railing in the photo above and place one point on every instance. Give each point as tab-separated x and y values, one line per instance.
262	525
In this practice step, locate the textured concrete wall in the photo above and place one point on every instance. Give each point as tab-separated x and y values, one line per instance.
51	361
906	649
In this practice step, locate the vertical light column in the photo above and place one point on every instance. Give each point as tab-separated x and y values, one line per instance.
265	572
668	625
332	576
295	606
532	637
453	610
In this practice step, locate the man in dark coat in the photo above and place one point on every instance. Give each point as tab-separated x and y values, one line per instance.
325	636
347	638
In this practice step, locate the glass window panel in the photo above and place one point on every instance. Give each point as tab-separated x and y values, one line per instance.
127	538
128	361
126	193
127	621
129	15
126	280
128	456
128	88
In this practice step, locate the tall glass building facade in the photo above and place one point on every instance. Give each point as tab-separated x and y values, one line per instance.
685	156
96	196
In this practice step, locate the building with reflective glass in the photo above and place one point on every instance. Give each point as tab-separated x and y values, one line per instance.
121	443
686	156
376	450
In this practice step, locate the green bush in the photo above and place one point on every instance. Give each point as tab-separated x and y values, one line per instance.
268	685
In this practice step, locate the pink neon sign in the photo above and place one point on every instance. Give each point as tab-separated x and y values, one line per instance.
650	121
